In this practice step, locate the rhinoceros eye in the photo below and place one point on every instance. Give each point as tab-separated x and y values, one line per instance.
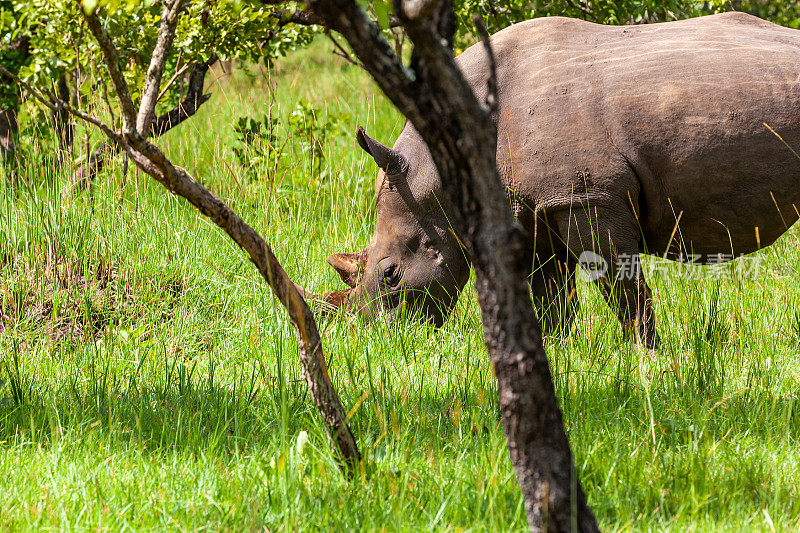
391	276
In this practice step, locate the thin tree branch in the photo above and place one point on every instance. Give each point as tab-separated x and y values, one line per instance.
341	52
112	64
174	77
307	17
582	8
376	54
166	35
150	159
54	103
190	104
62	125
162	124
304	17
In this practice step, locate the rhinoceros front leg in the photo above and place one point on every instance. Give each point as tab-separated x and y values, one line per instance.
606	240
553	288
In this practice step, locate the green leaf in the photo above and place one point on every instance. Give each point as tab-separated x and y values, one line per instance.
381	9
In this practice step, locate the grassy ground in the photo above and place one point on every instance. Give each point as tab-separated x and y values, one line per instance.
150	380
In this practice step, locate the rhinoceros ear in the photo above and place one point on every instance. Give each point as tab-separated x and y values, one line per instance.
348	266
386	158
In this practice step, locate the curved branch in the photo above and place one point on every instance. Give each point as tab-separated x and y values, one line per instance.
162	123
54	103
190	104
150	159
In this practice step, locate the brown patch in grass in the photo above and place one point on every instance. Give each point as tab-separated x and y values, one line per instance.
72	301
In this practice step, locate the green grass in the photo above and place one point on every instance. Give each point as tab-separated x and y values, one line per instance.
150	379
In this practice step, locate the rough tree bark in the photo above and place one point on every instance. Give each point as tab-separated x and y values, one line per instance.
149	158
462	138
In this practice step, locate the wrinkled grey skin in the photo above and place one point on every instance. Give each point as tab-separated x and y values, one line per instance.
615	140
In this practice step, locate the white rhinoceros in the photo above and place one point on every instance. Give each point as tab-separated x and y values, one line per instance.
612	140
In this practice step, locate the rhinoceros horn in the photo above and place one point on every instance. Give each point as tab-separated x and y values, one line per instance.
390	160
348	265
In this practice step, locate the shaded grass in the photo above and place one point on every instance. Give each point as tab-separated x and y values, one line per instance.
181	406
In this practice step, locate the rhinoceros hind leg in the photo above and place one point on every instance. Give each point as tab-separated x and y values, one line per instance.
633	301
607	239
553	288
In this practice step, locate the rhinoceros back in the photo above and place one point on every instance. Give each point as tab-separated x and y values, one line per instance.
668	117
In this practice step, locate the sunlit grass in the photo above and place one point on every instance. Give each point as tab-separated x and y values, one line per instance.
150	379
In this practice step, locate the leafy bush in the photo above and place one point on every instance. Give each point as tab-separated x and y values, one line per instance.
260	146
313	132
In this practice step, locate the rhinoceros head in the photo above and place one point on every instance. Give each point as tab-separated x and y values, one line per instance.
414	262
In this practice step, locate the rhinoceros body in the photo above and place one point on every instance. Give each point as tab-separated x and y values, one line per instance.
612	139
661	120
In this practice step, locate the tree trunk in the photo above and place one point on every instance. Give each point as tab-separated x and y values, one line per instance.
8	132
149	158
462	139
62	122
16	53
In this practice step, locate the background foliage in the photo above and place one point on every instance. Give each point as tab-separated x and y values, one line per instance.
499	14
61	45
252	32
